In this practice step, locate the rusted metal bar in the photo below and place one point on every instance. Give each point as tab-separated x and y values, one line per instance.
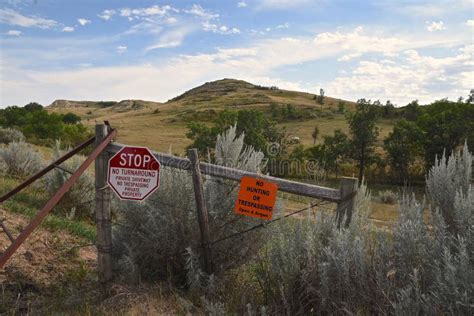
45	170
7	232
55	199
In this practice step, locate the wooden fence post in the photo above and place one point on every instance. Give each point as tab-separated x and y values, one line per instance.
348	189
102	212
201	209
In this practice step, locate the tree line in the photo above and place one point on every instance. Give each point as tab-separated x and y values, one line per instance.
43	128
420	134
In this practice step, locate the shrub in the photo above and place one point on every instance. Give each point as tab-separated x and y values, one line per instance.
20	159
422	267
78	200
387	197
153	236
447	178
8	135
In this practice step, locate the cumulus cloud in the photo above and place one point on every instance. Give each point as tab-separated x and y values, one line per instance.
68	29
11	17
154	10
107	14
83	21
199	11
412	76
241	4
435	26
13	33
221	29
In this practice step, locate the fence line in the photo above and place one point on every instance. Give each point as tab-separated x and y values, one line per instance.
344	197
299	188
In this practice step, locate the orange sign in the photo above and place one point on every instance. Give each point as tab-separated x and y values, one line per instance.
256	198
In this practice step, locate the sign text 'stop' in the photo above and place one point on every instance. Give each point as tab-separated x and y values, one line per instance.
134	173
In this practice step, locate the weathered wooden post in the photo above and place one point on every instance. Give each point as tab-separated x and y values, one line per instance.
201	209
348	189
102	212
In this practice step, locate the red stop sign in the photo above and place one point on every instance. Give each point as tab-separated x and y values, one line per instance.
134	173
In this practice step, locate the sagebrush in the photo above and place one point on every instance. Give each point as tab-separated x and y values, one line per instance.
20	159
78	201
8	135
153	236
421	267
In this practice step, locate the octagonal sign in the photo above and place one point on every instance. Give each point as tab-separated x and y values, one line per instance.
134	173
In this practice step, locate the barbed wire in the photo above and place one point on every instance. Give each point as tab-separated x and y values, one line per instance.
262	225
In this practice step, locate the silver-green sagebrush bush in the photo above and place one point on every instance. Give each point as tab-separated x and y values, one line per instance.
8	135
78	201
422	266
448	178
160	238
20	159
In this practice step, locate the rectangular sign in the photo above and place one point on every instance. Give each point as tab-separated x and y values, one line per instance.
256	198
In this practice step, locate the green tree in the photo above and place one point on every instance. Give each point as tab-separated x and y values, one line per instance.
389	110
315	134
336	147
411	111
364	134
402	147
71	118
446	125
259	130
320	97
33	106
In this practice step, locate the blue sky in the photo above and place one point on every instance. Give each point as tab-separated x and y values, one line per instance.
155	50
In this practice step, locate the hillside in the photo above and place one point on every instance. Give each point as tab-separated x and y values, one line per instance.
162	126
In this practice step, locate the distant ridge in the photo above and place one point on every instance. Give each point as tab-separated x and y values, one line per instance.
123	105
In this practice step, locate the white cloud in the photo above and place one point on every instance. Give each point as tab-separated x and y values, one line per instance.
349	57
241	4
154	10
283	26
172	38
284	4
412	76
107	14
470	23
222	29
425	9
405	75
199	11
14	33
12	17
171	20
121	49
68	29
435	26
83	21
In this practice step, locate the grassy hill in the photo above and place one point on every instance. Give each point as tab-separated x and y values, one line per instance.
162	126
